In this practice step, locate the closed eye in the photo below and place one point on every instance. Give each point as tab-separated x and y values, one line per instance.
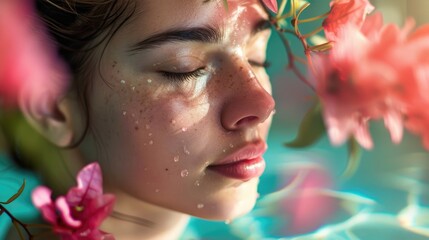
264	64
183	76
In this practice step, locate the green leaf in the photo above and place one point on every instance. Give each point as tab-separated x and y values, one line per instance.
354	156
225	4
311	129
16	195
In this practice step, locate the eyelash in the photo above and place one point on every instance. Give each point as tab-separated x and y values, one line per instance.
183	76
188	76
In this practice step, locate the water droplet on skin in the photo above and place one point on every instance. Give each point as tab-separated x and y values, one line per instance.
176	159
124	113
136	122
274	111
224	150
150	142
173	121
123	81
184	129
133	88
197	183
147	126
200	205
149	80
185	150
157	190
184	173
231	145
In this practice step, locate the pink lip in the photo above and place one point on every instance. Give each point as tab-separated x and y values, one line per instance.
244	164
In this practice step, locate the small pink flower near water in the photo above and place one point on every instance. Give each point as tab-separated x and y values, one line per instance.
30	71
308	208
79	214
345	12
271	4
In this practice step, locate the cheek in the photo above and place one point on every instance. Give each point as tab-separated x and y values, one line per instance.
149	135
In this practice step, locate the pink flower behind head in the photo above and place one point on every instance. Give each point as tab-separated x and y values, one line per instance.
29	68
345	12
375	72
79	214
360	79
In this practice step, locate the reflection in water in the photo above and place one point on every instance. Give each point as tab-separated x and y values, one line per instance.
309	207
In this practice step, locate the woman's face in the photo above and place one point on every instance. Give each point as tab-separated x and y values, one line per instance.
182	108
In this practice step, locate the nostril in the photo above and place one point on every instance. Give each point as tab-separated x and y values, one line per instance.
246	120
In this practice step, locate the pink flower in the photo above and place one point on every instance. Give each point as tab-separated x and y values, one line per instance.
271	4
78	215
417	98
362	78
345	12
30	71
307	208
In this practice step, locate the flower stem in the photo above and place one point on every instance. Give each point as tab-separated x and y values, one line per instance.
16	222
313	18
314	32
281	9
291	59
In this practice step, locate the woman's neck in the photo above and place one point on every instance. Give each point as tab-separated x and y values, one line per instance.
134	219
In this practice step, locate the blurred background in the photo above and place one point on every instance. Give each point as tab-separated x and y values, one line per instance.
303	192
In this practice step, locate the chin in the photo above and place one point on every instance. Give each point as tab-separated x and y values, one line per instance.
230	204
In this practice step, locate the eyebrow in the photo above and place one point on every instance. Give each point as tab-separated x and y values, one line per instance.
205	34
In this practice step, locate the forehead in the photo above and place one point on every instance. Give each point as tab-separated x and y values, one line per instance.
153	16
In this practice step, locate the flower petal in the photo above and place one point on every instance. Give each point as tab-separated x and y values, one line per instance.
361	133
393	123
65	213
41	198
271	4
98	209
90	183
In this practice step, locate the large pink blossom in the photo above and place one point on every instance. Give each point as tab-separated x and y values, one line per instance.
417	98
373	72
345	12
78	215
30	71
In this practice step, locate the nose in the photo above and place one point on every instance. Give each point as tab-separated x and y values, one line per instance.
249	102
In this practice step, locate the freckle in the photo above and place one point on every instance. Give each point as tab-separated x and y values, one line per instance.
230	75
241	68
166	169
136	128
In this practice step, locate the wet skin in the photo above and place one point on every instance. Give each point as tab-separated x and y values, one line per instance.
168	106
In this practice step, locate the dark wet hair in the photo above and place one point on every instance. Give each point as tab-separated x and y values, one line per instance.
79	28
